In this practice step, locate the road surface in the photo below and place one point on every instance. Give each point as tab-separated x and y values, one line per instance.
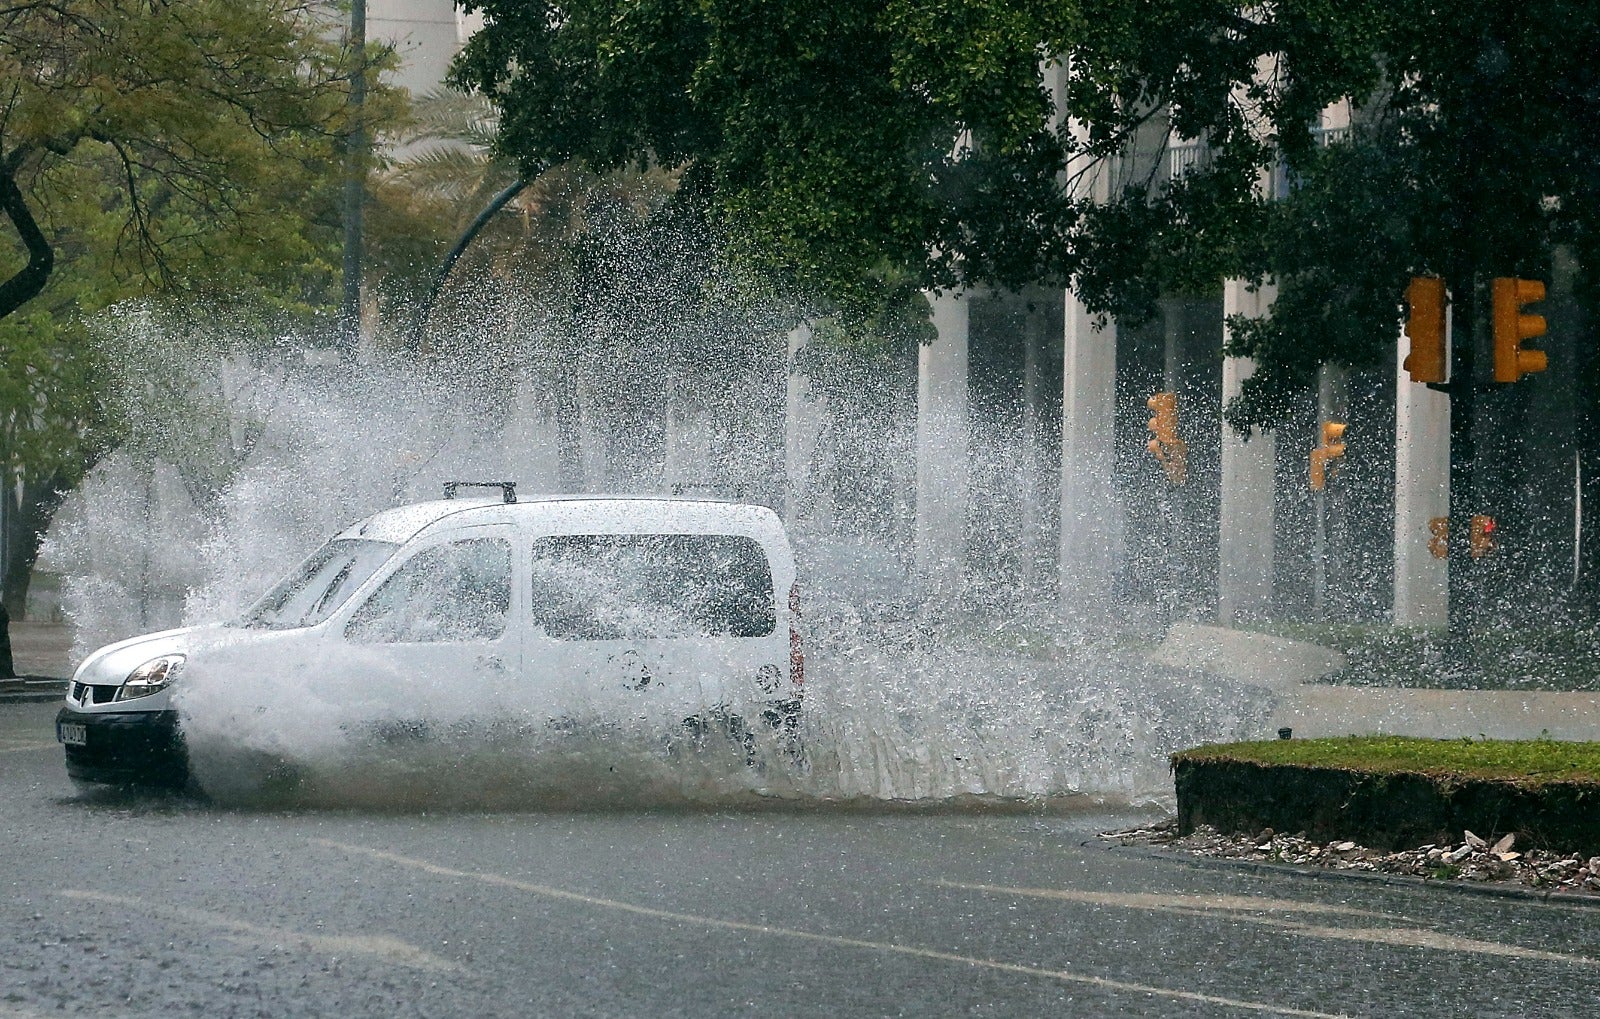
135	906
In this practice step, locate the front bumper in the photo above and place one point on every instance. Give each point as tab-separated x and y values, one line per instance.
126	748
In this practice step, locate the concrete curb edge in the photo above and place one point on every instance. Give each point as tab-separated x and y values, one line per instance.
32	689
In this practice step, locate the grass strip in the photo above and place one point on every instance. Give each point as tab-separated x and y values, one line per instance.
1522	762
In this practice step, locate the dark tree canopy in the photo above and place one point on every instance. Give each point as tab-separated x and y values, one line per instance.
847	143
824	132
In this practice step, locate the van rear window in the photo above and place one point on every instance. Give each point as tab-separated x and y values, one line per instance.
635	586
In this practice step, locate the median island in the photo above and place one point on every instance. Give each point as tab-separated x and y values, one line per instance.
1395	792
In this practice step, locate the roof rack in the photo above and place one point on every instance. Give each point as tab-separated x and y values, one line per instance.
508	489
738	490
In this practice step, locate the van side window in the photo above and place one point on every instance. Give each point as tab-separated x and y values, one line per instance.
634	586
455	592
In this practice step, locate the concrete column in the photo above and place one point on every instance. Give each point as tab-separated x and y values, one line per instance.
1030	468
425	35
801	425
1091	519
942	446
1421	492
1244	540
1091	515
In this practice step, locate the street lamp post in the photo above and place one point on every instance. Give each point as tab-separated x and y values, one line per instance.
354	186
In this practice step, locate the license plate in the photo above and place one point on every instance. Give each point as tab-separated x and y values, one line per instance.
73	734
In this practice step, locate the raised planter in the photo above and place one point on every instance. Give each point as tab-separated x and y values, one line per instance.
1385	804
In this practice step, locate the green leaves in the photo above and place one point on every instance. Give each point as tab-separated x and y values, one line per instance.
946	140
831	139
187	150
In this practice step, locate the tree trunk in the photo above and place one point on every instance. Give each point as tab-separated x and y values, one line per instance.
21	288
27	523
8	669
31	278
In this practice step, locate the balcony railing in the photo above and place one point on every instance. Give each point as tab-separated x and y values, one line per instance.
1325	136
1184	157
1283	181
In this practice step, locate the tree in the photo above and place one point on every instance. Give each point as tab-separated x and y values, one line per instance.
851	143
583	279
182	148
822	135
195	106
845	137
1469	158
49	427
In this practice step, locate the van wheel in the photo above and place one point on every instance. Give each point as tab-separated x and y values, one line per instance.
783	718
730	726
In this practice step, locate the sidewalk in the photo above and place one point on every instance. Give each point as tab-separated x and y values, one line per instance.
1290	668
42	653
1315	710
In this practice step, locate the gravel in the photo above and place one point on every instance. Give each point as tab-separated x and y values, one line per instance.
1472	859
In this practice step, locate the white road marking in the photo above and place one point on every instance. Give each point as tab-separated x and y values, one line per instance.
1160	901
19	748
386	948
1066	976
1248	909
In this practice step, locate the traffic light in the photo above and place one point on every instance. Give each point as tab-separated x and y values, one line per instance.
1439	537
1171	452
1323	457
1428	361
1483	542
1511	327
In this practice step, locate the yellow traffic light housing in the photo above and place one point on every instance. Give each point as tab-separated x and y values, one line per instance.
1171	452
1482	536
1428	360
1511	327
1323	457
1439	537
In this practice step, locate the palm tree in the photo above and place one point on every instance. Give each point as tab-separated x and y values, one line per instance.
524	266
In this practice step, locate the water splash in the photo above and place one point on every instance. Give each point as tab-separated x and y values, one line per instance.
907	702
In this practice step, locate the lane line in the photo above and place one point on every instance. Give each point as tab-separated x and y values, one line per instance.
26	747
716	923
241	931
1246	909
1159	901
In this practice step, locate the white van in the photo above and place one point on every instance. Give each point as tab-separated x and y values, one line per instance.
681	612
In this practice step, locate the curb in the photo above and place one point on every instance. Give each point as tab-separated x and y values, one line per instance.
32	689
1493	891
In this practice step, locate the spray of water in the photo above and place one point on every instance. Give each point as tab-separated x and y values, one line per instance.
907	700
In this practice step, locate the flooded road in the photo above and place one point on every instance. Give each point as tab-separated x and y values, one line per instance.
141	907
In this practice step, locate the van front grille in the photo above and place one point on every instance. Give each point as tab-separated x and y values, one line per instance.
90	693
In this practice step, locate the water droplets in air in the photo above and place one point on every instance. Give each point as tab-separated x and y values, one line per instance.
242	458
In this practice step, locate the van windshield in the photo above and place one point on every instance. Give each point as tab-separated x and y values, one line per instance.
634	586
321	584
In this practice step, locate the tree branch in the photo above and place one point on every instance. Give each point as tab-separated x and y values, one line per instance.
31	278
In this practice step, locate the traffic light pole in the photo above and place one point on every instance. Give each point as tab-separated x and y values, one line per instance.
1463	456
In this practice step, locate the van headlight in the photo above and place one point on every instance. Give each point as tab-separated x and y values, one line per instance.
150	677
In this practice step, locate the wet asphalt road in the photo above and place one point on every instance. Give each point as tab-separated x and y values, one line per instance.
143	907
